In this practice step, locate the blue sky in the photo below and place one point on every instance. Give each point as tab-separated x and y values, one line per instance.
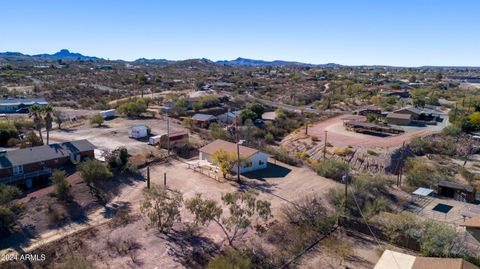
393	32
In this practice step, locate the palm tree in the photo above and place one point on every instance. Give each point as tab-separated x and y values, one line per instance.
36	111
48	120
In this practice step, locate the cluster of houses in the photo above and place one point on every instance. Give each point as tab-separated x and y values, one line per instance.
406	116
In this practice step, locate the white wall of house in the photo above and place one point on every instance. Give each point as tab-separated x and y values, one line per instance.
256	162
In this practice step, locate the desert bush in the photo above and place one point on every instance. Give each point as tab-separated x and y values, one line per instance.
438	240
403	224
32	139
230	259
432	145
452	130
12	142
368	191
419	174
93	172
309	213
216	131
7	131
122	247
7	219
345	151
162	207
331	168
97	120
133	108
8	193
61	187
283	156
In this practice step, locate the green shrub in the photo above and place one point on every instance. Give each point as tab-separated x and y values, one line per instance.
330	168
7	131
438	240
93	171
96	120
8	193
283	156
419	174
7	219
61	187
133	108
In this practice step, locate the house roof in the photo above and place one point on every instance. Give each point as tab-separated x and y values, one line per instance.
25	101
394	115
269	116
218	144
473	222
441	263
392	259
43	153
203	117
457	186
411	109
139	127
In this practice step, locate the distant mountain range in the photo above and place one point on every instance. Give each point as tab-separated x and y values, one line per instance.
67	55
62	54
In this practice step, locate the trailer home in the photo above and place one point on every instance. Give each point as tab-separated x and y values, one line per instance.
139	131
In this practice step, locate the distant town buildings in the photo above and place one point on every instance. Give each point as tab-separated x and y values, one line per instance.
20	104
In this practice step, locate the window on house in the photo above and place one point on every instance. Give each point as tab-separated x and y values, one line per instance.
248	164
261	162
18	170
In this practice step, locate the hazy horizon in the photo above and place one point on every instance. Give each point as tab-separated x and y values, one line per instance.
395	33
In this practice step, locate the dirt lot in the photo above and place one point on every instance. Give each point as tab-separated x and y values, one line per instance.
284	184
114	133
338	136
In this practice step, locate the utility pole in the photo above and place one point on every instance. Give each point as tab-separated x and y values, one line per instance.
148	177
168	135
238	158
345	180
455	112
400	164
325	146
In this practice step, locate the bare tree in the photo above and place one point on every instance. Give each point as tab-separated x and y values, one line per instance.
466	146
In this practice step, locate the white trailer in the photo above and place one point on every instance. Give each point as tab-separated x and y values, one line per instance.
154	140
139	131
106	114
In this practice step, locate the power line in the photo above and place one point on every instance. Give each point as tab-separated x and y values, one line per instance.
370	229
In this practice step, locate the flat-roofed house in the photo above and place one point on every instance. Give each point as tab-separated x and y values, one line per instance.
203	120
24	166
399	118
254	159
413	111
